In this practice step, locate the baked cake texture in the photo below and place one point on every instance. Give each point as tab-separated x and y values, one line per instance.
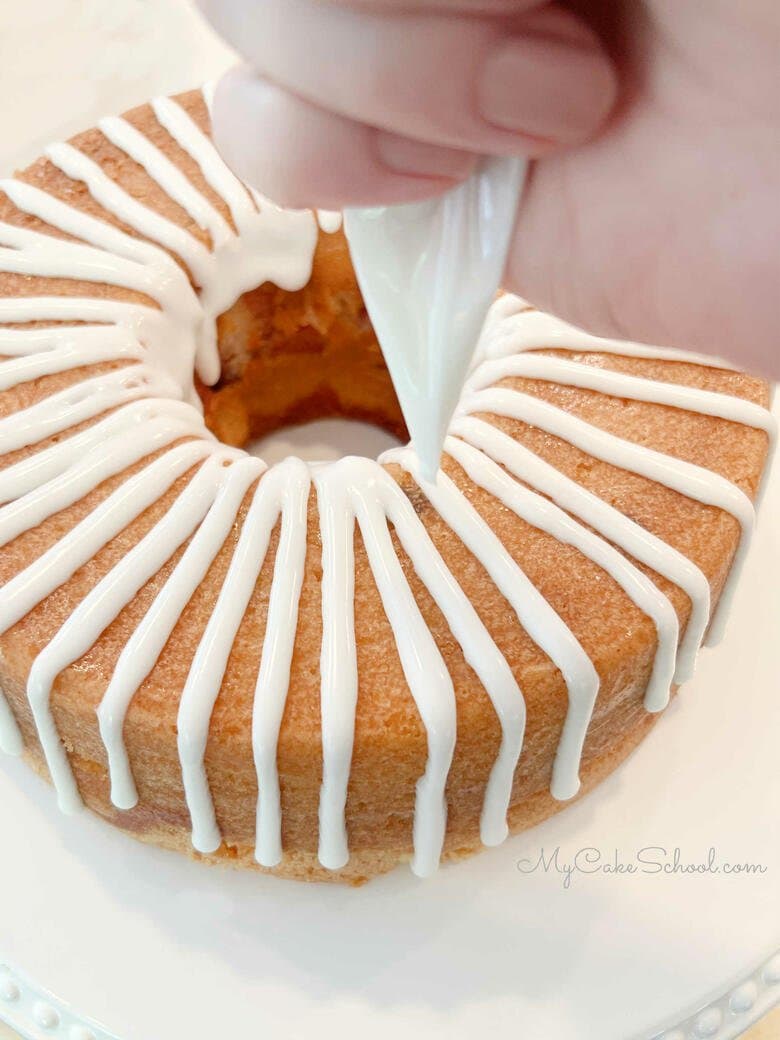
181	645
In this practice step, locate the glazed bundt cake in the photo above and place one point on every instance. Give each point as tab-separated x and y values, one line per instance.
326	669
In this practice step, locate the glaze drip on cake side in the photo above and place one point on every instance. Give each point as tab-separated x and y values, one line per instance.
120	417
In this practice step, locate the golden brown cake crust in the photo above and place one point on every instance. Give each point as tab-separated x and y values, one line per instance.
317	351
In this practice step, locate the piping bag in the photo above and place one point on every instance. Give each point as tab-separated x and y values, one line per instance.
428	272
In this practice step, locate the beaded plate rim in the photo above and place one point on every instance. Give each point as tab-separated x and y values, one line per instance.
36	1014
737	1008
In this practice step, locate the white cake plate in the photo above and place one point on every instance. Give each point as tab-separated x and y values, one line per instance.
150	944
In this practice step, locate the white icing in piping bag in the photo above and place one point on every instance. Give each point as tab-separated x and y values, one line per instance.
428	272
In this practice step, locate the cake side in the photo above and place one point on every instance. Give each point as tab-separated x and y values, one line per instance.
390	745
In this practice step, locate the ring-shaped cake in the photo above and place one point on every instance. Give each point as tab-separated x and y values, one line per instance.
326	669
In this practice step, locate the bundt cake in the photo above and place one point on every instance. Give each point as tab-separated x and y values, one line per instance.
323	670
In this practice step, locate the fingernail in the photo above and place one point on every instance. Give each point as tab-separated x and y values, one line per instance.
546	87
417	158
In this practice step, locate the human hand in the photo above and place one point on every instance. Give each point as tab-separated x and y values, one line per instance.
656	218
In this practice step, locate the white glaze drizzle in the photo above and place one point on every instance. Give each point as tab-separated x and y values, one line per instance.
102	605
514	326
684	477
168	175
39	352
146	643
272	244
283	490
537	511
637	541
534	612
358	490
136	410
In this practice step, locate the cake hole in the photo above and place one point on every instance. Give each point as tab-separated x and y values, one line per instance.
301	372
323	440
